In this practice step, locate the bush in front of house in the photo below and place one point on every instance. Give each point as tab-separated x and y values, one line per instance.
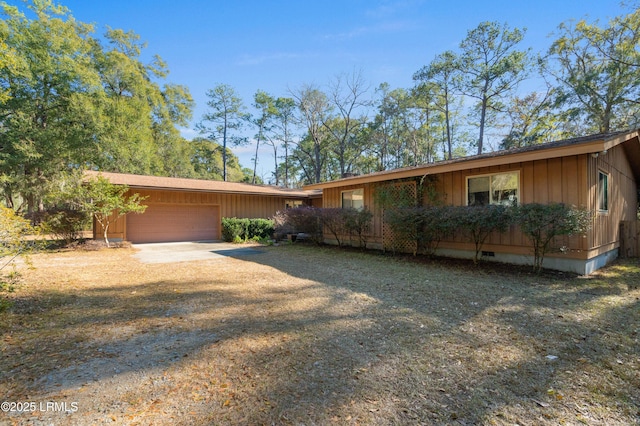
541	223
234	229
260	228
340	223
306	220
436	224
478	222
428	225
66	224
358	223
405	224
333	221
241	229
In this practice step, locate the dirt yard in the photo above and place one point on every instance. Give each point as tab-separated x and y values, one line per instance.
300	335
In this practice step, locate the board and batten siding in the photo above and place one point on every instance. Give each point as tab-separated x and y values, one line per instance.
230	204
622	186
571	180
559	180
332	198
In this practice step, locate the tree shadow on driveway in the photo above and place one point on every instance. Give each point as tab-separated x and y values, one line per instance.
317	336
159	253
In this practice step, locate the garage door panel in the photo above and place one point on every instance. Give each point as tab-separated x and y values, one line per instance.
173	222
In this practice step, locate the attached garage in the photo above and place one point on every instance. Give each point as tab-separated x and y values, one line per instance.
174	222
181	209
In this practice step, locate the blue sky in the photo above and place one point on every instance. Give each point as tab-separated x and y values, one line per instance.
280	45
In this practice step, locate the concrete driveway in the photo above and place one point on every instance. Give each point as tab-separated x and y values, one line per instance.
188	251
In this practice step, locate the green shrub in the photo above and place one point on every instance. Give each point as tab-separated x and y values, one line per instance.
16	239
242	230
261	228
436	223
65	224
478	222
234	229
405	223
541	223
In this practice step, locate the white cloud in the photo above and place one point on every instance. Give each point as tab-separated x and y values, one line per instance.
188	133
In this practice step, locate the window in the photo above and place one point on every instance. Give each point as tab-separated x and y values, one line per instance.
603	192
292	204
353	199
499	188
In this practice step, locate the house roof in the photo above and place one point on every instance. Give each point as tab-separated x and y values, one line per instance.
575	146
199	185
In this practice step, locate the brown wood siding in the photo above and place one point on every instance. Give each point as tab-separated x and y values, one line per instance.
230	205
316	202
541	181
332	198
622	197
571	180
164	222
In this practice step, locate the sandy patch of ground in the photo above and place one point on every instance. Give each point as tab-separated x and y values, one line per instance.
306	335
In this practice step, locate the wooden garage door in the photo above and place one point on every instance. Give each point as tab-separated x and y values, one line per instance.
174	222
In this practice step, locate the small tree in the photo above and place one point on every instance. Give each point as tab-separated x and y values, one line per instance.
107	202
333	221
541	223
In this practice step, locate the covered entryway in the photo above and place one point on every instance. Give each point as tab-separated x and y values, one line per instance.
174	222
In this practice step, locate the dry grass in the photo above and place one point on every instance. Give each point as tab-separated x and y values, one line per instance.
302	335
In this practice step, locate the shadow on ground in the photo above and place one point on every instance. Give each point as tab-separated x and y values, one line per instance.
314	336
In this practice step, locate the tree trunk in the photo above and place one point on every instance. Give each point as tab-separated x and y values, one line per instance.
318	168
446	117
255	162
106	231
483	114
224	151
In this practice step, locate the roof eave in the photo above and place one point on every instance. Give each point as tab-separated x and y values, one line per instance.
216	191
130	181
485	160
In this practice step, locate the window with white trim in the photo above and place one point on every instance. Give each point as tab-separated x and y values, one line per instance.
353	199
603	191
498	188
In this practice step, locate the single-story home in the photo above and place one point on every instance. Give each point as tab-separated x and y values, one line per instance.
599	173
191	209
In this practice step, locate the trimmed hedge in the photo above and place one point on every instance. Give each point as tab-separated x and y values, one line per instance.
235	229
